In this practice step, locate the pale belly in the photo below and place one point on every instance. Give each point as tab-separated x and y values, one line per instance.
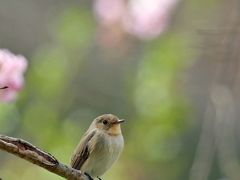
104	155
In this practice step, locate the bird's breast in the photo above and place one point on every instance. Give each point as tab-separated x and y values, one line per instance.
106	152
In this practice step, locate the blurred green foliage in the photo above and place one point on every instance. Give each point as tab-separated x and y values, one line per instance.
52	112
161	111
39	114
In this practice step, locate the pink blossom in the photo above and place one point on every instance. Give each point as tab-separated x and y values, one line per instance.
109	12
12	68
145	19
149	18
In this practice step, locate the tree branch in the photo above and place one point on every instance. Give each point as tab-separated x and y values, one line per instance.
29	152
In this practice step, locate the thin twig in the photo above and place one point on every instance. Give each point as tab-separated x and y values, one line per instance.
5	87
29	152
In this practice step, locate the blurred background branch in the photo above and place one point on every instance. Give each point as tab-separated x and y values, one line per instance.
218	140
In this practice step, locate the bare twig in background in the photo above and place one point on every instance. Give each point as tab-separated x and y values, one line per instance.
27	151
205	149
223	84
224	131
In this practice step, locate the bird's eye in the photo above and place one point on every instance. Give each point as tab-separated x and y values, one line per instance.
105	122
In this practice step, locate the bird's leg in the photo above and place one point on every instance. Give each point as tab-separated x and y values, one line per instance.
89	177
99	178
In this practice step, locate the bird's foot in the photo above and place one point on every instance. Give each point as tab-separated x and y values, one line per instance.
89	177
99	178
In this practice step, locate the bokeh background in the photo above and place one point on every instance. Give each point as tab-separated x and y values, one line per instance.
170	68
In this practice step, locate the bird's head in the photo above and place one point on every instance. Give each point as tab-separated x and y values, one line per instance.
108	123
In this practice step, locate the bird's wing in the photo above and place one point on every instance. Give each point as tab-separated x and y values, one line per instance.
82	151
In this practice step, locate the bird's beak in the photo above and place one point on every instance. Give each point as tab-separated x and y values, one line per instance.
119	121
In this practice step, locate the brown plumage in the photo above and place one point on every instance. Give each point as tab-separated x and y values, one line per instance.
99	147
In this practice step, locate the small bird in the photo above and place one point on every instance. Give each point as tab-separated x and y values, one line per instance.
99	147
